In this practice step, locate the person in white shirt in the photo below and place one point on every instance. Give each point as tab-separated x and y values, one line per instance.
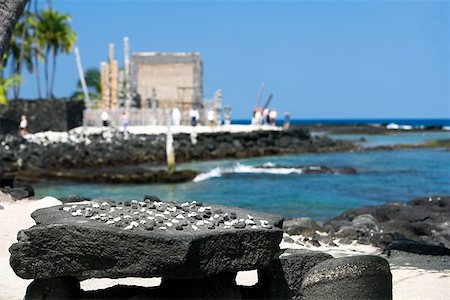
211	118
23	125
176	116
105	118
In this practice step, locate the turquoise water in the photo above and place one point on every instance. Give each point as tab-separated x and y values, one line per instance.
394	138
398	175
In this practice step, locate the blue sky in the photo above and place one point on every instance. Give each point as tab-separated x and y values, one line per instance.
336	59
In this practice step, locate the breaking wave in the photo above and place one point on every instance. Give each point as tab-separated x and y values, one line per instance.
267	168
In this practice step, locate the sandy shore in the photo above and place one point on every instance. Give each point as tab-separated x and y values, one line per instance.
414	276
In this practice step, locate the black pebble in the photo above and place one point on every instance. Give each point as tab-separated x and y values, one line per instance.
315	243
239	225
199	204
179	227
149	226
119	224
127	204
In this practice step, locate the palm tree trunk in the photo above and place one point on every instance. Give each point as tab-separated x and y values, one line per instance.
52	83
10	11
38	77
47	86
22	49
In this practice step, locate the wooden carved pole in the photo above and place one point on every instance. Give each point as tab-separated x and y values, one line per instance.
114	78
104	69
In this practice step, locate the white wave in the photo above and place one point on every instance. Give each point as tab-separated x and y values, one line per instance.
246	169
239	168
216	172
269	165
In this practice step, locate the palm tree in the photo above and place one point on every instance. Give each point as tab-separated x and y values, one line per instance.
93	83
55	35
5	85
22	48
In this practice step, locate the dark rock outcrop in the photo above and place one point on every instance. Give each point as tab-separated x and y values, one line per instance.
112	148
301	226
423	220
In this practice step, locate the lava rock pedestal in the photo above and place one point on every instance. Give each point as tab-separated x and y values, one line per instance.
185	244
355	277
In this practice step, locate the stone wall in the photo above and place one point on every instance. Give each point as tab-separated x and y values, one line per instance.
42	115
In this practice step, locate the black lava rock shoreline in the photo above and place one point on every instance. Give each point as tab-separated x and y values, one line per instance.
420	226
110	147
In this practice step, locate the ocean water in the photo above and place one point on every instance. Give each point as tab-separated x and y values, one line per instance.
398	175
394	138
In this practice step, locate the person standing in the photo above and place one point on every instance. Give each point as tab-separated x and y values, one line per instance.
211	116
105	118
194	116
176	116
287	119
23	125
125	122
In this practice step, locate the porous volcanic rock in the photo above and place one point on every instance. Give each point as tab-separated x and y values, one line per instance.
354	277
144	239
424	220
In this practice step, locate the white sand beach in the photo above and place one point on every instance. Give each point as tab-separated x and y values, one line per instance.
414	276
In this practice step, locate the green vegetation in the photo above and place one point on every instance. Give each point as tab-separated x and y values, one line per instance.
39	37
93	83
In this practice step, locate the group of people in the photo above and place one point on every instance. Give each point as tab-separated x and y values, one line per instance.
264	116
194	117
124	117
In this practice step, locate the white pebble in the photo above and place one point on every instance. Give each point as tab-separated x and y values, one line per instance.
163	228
110	222
105	204
227	226
151	218
216	216
127	217
117	219
142	221
254	227
201	209
128	227
74	206
159	215
102	215
175	221
200	223
168	224
149	212
249	222
136	212
185	204
250	217
96	217
192	214
134	224
228	223
180	216
66	208
194	227
167	212
142	209
263	222
95	205
173	209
